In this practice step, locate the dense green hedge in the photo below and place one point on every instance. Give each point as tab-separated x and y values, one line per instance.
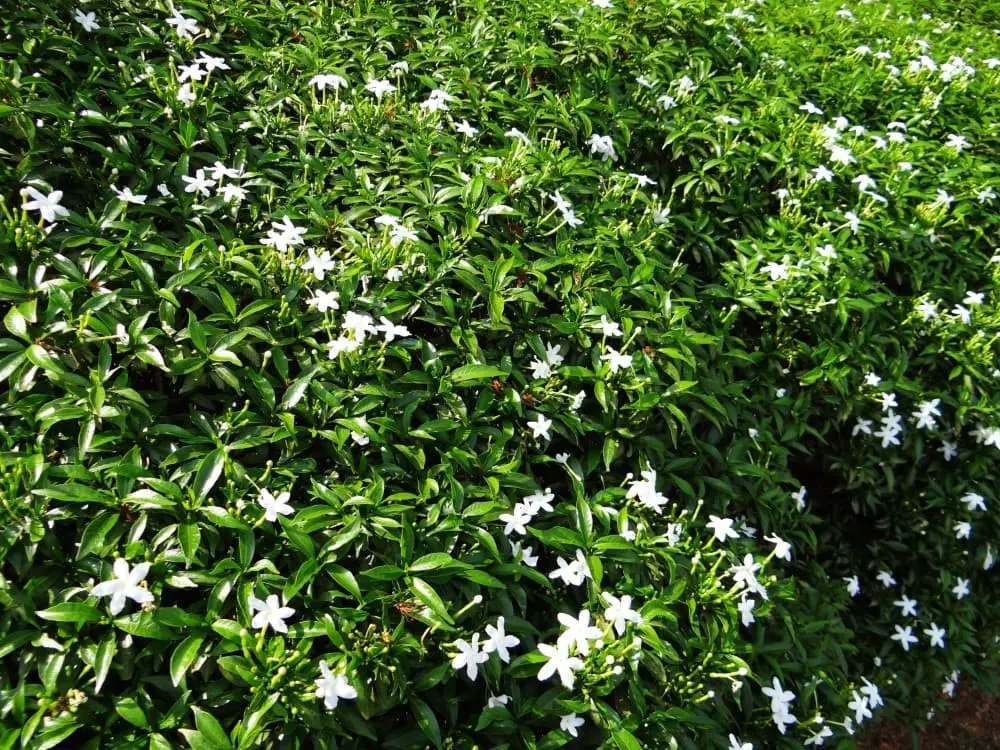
517	374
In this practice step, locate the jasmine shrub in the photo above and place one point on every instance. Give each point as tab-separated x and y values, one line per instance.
515	374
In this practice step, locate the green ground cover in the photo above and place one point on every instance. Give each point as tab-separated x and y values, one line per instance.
513	374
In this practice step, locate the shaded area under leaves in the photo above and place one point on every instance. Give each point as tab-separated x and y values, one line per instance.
970	722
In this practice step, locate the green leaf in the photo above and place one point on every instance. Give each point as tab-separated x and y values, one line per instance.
297	390
211	729
102	662
129	710
10	363
432	561
71	612
92	539
384	573
426	593
625	740
146	625
183	656
346	580
209	472
189	534
468	374
427	721
16	323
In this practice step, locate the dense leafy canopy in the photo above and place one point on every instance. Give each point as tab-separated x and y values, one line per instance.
505	374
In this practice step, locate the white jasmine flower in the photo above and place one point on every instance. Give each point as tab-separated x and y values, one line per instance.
332	687
270	612
87	20
318	263
540	427
469	657
559	661
570	723
620	612
500	641
47	205
603	145
185	27
274	505
124	585
722	528
379	87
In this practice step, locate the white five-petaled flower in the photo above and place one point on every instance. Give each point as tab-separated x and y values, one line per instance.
745	575
974	501
973	299
525	554
198	184
936	635
722	528
904	636
573	573
270	612
559	661
885	578
379	87
853	586
780	703
870	689
47	205
192	72
283	234
948	449
782	549
859	705
500	641
128	196
87	20
736	744
184	26
620	612
390	330
907	606
617	360
332	687
777	271
603	145
220	170
212	62
745	607
124	585
957	142
540	427
609	328
324	301
579	632
358	324
328	80
318	263
961	588
645	490
517	520
570	723
466	129
822	173
274	505
186	95
799	496
469	656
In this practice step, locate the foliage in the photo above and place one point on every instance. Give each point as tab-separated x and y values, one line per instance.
428	321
